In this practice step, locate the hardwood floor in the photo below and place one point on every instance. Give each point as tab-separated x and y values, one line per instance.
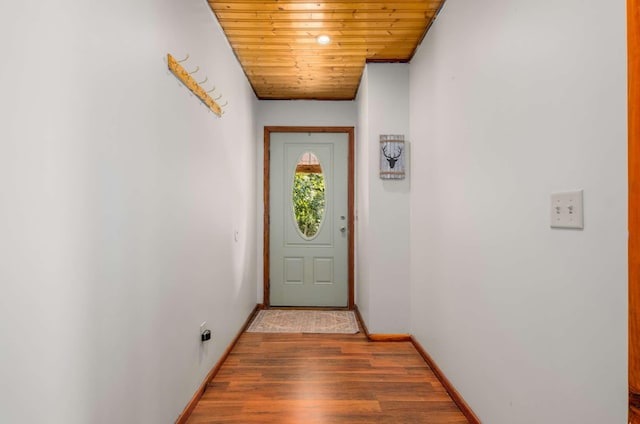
319	378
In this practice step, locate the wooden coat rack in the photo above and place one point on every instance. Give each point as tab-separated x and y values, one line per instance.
195	87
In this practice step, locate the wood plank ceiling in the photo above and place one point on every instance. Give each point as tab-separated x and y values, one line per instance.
276	42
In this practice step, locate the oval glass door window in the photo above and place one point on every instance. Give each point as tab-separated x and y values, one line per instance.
308	195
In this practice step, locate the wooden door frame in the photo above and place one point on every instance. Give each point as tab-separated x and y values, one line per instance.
633	61
351	196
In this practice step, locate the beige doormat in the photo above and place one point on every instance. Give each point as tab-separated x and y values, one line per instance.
292	321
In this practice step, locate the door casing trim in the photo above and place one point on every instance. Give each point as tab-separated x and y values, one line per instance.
350	201
633	64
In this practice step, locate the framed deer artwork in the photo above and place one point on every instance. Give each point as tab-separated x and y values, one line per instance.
392	155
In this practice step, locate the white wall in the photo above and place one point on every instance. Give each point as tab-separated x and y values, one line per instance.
310	113
512	100
120	194
382	226
363	153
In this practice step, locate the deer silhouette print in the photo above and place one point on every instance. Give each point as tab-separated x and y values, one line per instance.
393	157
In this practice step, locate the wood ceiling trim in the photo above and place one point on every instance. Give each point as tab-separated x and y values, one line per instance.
277	6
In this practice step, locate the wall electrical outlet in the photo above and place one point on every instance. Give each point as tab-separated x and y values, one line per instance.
567	210
205	334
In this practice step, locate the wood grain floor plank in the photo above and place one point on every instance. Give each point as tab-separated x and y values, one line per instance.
324	378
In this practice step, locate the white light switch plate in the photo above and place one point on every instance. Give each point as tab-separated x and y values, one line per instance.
566	210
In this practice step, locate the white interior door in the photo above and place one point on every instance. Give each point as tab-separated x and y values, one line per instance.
308	257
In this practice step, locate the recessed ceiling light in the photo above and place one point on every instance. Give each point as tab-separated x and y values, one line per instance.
323	39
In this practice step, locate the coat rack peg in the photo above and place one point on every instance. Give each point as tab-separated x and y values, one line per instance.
197	69
212	90
218	98
205	80
183	60
225	103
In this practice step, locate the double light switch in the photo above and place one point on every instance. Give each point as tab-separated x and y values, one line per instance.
566	210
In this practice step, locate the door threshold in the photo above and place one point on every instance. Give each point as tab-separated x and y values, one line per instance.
310	308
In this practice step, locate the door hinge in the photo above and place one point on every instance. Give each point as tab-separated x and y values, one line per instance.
634	400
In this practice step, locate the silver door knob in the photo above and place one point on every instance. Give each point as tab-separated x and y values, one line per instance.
343	229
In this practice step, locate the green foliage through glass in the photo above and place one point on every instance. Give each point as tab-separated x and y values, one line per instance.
308	202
